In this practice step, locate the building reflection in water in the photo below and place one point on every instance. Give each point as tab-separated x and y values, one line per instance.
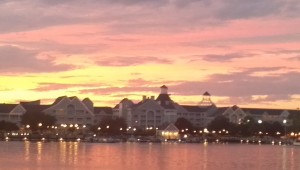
284	157
77	155
26	150
39	150
68	153
204	162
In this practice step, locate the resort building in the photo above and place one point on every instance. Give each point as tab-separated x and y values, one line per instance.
236	114
268	115
11	113
151	112
70	110
66	110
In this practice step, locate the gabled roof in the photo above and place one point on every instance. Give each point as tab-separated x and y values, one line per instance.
117	106
122	101
35	108
6	108
206	94
36	102
87	99
59	99
219	111
141	103
171	127
72	98
163	97
235	107
165	101
107	110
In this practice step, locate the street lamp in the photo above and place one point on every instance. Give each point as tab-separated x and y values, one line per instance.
260	128
284	124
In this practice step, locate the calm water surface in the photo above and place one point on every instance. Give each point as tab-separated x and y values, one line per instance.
135	156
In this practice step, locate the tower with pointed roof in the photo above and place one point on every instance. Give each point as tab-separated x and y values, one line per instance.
164	89
164	99
206	101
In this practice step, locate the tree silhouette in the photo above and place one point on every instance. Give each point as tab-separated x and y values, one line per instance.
184	124
295	118
34	118
220	123
110	126
8	126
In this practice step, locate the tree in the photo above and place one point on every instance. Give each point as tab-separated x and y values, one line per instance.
276	127
8	126
295	118
111	126
250	127
220	123
247	127
37	120
184	124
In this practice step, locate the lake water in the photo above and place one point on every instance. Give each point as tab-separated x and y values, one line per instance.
144	156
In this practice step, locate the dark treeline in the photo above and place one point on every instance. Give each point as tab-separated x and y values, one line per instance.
220	125
247	127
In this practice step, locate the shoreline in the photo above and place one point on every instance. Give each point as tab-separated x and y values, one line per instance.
227	140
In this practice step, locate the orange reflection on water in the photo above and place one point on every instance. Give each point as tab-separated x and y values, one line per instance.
136	156
68	153
27	150
39	151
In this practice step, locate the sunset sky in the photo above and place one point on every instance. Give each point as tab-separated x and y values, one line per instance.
244	52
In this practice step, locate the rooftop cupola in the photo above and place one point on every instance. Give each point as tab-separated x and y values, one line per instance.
206	101
163	89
